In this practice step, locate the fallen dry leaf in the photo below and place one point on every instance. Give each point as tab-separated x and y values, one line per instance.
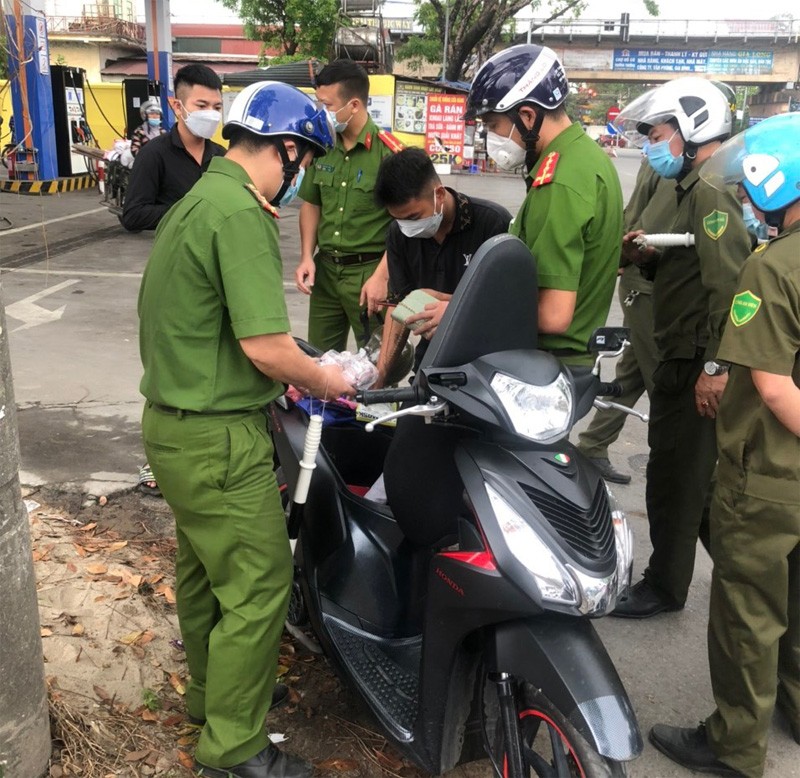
77	630
131	638
149	715
46	632
154	579
87	527
338	765
387	761
102	693
174	720
186	760
166	590
118	545
97	568
79	549
71	567
177	684
137	756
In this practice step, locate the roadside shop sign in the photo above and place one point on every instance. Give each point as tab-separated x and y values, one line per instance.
444	129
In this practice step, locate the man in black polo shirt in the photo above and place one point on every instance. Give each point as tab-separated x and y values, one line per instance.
429	245
169	166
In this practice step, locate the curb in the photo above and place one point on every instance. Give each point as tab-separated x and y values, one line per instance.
54	186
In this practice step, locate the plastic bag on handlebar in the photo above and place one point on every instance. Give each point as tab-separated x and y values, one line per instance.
357	368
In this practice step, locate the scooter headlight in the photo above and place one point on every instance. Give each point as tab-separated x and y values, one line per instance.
554	581
541	413
623	537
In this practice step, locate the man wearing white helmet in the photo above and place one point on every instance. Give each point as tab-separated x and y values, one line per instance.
216	349
571	218
754	613
684	122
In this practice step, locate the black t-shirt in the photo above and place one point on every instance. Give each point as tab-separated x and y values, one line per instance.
422	263
163	172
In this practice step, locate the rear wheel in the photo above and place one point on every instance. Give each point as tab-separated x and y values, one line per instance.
551	746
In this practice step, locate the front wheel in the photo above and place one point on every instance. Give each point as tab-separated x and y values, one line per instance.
551	746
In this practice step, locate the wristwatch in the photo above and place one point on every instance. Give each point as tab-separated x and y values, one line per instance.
713	367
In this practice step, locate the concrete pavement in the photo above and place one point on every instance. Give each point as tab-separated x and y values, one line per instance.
70	287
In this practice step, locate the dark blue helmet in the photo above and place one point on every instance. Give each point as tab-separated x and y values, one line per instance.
272	108
521	74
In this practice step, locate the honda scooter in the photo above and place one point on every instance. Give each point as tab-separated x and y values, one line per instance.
484	648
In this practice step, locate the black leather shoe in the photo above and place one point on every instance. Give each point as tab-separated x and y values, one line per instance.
279	695
689	748
269	763
608	472
642	602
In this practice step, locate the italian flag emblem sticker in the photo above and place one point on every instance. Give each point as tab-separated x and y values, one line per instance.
562	459
744	307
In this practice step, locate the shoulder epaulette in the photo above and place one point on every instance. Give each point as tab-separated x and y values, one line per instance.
393	144
262	201
544	175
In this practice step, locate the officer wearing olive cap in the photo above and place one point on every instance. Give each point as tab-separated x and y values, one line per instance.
754	614
216	349
571	218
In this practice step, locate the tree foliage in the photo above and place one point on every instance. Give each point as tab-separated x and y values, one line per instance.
298	28
476	27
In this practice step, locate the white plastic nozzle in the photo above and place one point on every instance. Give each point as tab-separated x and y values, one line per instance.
308	462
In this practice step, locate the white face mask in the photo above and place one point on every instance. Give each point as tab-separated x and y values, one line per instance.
506	152
202	124
423	228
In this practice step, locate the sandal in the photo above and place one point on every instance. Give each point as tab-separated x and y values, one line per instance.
147	482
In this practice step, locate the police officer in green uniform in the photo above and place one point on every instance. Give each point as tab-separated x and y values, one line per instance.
651	208
571	218
685	121
754	614
339	217
216	349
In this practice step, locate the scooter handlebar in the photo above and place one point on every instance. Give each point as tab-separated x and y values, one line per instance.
375	396
612	389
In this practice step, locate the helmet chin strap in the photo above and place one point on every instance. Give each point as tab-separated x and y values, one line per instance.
689	156
290	169
775	218
530	137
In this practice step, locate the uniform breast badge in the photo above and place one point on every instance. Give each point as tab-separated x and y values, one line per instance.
544	175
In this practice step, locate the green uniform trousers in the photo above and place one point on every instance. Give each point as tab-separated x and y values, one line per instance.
334	309
680	472
233	569
634	372
754	624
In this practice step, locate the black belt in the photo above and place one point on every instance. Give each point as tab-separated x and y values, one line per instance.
351	259
180	412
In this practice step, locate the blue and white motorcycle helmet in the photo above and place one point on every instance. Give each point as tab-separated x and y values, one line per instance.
520	74
272	108
765	159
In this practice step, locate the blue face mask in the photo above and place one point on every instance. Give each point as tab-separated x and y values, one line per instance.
662	160
154	122
755	227
293	189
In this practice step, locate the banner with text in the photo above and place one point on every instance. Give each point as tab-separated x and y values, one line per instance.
444	130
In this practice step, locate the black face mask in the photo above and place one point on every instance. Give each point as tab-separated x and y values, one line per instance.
290	168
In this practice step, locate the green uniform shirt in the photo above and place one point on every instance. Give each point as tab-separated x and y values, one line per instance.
214	276
694	285
573	226
652	208
341	183
757	454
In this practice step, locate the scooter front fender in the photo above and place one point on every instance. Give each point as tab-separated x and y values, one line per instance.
565	658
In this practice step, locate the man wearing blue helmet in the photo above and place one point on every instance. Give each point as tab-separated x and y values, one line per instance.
754	615
571	218
216	349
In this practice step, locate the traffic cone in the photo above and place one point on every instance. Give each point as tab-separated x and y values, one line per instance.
101	177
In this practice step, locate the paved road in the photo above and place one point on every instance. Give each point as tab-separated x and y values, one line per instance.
70	277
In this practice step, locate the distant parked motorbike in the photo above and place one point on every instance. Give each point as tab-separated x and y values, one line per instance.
484	648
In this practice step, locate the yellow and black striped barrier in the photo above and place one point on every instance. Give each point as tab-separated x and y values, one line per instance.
54	186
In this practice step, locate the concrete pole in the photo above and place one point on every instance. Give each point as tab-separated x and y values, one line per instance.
24	716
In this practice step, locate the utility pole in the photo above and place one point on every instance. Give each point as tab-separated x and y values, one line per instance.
24	717
446	38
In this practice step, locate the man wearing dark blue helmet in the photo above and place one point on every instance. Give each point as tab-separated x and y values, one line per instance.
571	218
216	349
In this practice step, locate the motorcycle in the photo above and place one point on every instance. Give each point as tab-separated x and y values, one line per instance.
485	647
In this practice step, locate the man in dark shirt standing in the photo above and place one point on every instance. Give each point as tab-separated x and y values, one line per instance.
429	245
170	165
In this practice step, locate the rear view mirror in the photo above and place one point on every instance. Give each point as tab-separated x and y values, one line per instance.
606	339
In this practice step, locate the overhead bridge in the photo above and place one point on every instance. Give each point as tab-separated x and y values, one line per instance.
740	52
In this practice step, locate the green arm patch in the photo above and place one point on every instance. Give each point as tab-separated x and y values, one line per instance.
715	224
744	307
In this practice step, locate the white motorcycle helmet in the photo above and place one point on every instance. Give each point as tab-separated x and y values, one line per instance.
700	109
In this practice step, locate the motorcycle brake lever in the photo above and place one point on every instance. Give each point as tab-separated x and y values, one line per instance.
606	404
429	409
